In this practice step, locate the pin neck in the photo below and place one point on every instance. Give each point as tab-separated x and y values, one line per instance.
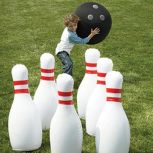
20	91
21	82
47	74
101	78
113	90
21	87
113	95
66	102
47	78
47	70
65	98
91	68
113	99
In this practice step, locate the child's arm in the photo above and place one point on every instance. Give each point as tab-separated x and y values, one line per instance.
77	40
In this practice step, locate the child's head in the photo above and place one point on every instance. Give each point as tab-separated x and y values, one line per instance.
71	22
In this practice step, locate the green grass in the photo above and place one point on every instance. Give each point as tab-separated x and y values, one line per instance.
29	28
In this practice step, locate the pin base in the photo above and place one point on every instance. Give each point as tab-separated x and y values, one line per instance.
32	149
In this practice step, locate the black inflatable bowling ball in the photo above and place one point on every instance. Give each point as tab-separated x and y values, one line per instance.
93	15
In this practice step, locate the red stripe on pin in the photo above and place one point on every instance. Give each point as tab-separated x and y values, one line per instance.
18	91
113	90
47	70
60	93
114	99
101	82
47	78
22	82
65	102
101	74
91	71
91	64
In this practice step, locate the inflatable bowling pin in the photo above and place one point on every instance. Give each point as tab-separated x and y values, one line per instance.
66	129
89	81
113	131
97	99
45	97
24	124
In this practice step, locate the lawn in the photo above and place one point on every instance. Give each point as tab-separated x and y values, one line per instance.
29	28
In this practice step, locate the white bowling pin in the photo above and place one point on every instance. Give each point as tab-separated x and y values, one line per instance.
97	99
89	80
24	124
66	129
45	97
113	131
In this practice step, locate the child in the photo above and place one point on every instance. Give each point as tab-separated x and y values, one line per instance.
68	39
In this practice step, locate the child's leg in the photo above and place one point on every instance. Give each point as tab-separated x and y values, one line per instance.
66	61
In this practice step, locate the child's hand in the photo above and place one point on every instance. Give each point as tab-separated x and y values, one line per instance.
95	31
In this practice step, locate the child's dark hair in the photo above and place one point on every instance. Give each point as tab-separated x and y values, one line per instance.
72	18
